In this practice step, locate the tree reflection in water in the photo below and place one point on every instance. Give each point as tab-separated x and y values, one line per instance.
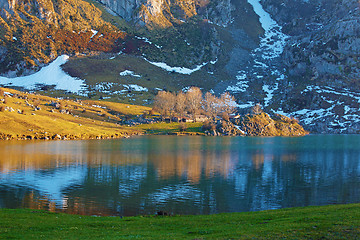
183	175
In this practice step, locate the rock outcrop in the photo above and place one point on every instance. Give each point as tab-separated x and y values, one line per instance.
325	44
260	124
163	13
264	125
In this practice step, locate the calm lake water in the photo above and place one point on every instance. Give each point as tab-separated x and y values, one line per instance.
180	175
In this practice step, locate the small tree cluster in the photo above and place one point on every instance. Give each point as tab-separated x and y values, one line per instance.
194	102
257	109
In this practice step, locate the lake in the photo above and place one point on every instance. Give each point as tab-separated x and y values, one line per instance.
179	175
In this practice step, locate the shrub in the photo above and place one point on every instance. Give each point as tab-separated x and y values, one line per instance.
145	114
37	103
294	120
182	127
257	109
208	126
225	116
1	93
2	108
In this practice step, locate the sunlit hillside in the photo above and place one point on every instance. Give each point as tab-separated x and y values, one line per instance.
32	116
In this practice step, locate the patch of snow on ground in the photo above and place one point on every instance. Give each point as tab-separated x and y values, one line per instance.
185	89
49	75
104	87
238	127
245	105
260	64
240	86
181	70
129	73
269	93
213	62
136	88
273	42
242	75
329	115
266	56
148	41
94	32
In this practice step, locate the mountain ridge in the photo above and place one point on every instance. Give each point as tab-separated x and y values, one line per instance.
302	59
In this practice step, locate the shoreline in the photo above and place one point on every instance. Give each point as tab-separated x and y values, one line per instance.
27	116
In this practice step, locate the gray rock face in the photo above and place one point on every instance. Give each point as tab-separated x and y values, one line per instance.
322	59
124	8
219	12
326	37
6	6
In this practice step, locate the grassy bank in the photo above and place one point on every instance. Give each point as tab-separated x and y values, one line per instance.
32	116
326	222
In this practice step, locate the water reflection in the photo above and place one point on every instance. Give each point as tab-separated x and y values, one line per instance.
185	175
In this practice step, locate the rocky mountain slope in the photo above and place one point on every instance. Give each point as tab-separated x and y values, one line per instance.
300	58
32	33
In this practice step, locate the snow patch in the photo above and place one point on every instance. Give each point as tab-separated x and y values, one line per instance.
129	73
240	86
238	127
94	32
148	41
49	75
273	42
245	105
269	93
181	70
136	88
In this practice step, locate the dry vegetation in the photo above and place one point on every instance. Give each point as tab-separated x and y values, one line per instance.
25	116
193	103
36	34
31	116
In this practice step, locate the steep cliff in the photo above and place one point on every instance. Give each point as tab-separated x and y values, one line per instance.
322	58
155	13
325	45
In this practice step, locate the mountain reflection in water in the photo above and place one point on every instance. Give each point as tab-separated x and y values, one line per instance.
181	175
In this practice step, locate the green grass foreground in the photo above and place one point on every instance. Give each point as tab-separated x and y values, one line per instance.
325	222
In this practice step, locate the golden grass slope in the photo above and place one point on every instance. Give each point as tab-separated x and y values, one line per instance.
31	116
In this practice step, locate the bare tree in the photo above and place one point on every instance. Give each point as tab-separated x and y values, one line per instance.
180	103
211	105
164	103
228	103
194	99
171	103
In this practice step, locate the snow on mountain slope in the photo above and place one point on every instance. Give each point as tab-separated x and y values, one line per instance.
49	75
273	42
